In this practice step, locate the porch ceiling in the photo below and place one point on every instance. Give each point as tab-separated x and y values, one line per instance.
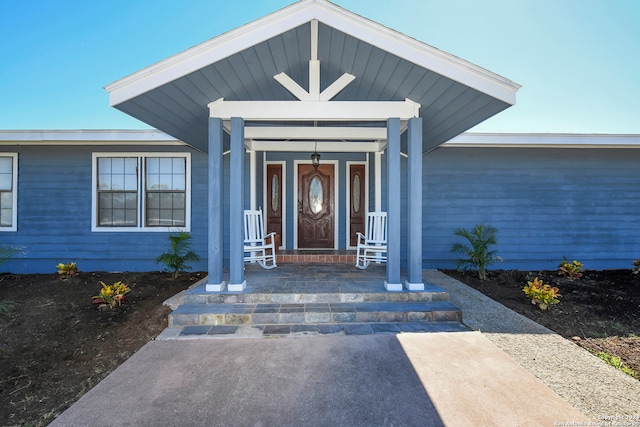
173	96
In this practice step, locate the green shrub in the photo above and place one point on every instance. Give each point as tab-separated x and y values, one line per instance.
177	259
479	254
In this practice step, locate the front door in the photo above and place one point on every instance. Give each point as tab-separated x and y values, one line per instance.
316	218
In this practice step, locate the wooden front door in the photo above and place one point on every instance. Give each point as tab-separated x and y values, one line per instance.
356	204
316	219
274	201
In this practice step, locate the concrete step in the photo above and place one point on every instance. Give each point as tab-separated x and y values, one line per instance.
307	295
314	313
305	330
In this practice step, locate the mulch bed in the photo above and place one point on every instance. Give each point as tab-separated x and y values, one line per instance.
55	344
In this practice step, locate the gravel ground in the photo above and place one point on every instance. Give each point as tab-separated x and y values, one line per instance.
599	391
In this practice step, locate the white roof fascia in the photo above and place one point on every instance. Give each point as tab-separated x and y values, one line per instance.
314	133
321	146
293	16
314	110
86	137
544	140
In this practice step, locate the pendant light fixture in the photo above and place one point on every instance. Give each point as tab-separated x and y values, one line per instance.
315	157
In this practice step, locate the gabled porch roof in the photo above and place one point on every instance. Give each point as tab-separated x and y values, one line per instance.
242	65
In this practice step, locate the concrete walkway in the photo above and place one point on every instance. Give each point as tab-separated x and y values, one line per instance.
457	379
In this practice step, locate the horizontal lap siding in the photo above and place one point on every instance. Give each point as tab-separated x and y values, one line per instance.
546	203
54	214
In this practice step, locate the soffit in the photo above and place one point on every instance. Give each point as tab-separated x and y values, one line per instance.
450	104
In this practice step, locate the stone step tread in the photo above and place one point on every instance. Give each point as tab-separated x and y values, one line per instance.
331	307
294	330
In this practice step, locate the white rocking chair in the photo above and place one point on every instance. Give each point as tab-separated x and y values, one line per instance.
258	247
372	246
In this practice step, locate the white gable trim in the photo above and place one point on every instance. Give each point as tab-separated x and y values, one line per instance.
293	16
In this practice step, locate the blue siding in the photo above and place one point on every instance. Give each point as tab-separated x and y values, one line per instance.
547	204
54	215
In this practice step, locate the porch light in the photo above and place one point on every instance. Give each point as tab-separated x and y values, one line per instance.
315	157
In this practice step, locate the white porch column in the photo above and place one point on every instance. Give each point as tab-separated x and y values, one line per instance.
414	280
393	283
236	208
215	201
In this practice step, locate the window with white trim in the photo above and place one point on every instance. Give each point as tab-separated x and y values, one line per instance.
8	192
134	191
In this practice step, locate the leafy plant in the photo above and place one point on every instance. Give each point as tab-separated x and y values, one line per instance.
5	307
478	251
67	271
111	294
541	294
7	252
570	270
636	266
616	362
180	255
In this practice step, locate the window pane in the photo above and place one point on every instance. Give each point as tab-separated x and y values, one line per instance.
164	182
6	165
165	164
179	165
178	182
131	202
104	217
178	200
5	181
6	217
104	182
117	165
153	182
104	165
166	201
153	165
6	199
117	182
153	201
131	165
105	201
130	182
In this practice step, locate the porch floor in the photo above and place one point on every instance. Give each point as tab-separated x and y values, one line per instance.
314	282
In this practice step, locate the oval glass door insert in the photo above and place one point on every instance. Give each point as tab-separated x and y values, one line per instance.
316	194
355	190
274	193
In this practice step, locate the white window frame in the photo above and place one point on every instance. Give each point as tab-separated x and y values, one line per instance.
14	189
141	227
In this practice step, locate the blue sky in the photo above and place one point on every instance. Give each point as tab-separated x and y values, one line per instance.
578	60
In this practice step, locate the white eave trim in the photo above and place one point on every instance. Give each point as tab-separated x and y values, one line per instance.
543	140
298	14
86	137
306	146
